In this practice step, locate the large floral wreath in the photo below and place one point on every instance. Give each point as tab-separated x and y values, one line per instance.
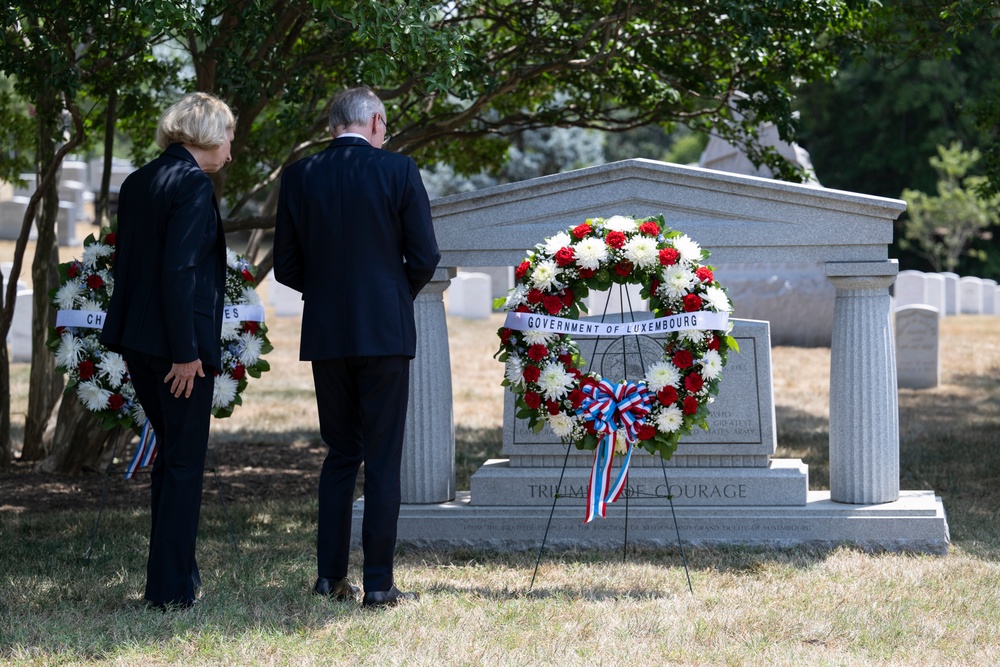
543	363
99	376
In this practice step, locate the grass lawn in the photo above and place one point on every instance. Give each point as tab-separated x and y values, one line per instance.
749	606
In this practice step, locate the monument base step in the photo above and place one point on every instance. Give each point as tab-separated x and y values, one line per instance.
784	482
915	522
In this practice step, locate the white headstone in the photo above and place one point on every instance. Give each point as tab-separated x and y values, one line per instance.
19	336
73	192
501	278
74	170
285	301
950	292
989	297
618	299
934	286
918	358
970	295
469	296
5	269
28	188
909	289
66	223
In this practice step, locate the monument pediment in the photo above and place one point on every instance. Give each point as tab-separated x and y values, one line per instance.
738	218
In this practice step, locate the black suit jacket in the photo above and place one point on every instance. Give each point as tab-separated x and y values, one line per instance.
354	235
170	263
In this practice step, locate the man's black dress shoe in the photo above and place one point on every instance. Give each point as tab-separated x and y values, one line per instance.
388	598
338	589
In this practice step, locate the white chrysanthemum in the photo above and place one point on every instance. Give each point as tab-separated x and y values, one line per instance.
128	391
249	295
69	295
557	241
544	276
232	259
516	297
94	252
554	381
590	253
69	351
250	347
619	223
138	414
91	305
669	419
692	335
92	396
536	337
561	424
514	370
677	280
690	251
225	390
711	365
718	300
230	330
642	251
112	366
662	374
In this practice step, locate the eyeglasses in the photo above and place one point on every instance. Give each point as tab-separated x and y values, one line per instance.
386	136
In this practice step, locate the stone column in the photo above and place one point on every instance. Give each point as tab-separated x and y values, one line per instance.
428	472
864	414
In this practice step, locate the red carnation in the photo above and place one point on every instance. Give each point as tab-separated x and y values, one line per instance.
522	269
576	398
690	405
667	395
532	400
94	281
583	230
586	273
535	295
538	352
704	274
250	327
568	297
522	309
646	432
566	359
86	369
669	256
115	401
649	227
589	427
575	372
692	303
564	256
615	239
683	359
247	276
552	407
693	383
531	373
553	304
654	285
505	335
239	372
623	268
74	270
715	343
110	238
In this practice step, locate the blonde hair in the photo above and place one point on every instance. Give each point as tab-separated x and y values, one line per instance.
198	119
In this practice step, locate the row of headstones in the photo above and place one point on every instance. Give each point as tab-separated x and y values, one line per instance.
76	188
19	335
948	293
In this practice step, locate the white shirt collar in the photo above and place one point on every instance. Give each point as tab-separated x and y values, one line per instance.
352	134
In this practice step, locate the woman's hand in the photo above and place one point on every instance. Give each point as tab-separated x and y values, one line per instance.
181	377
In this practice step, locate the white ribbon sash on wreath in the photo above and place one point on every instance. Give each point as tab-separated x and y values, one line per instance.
702	320
94	319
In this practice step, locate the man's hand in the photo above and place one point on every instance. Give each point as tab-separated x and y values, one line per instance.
181	377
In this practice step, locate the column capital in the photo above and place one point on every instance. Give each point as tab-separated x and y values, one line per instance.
862	275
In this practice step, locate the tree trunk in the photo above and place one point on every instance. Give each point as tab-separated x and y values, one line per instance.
6	455
79	442
101	212
45	384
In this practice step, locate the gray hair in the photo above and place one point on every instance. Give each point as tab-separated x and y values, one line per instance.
198	119
355	106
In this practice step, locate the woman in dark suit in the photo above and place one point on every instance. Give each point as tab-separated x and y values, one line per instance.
165	318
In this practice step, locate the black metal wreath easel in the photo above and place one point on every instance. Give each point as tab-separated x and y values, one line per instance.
624	297
111	471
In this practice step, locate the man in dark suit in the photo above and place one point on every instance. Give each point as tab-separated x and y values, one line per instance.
165	318
354	235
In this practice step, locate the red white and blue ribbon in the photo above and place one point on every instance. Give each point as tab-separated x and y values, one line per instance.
611	408
145	451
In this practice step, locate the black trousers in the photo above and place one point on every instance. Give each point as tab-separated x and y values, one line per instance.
181	426
362	415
